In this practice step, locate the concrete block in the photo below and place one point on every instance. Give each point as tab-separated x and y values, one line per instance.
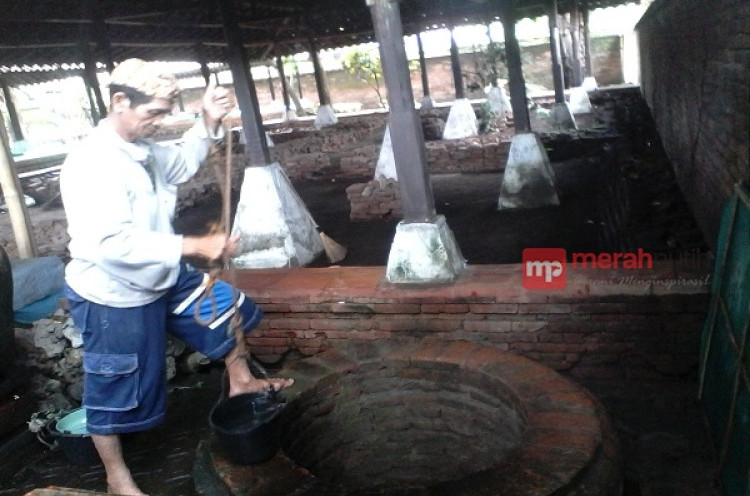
274	225
562	117
386	166
498	100
462	121
579	101
325	117
424	253
528	181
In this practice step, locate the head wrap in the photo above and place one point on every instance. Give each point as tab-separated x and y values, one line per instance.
149	78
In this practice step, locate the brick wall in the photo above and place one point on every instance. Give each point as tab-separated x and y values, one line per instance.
606	52
695	58
350	149
644	327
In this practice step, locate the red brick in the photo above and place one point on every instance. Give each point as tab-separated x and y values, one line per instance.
487	325
409	308
528	326
493	308
364	335
310	307
444	308
340	324
543	308
267	341
290	324
274	307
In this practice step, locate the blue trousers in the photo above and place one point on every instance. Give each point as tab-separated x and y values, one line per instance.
125	381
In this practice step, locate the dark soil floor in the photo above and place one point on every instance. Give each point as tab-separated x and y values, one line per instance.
469	204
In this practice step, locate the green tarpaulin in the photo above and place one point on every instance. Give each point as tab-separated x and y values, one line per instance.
725	383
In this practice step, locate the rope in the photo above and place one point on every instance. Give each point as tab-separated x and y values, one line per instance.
224	179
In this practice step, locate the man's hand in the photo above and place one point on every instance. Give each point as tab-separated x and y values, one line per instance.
212	247
217	102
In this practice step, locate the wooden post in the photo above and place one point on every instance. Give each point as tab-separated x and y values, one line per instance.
14	199
92	82
516	82
554	49
98	32
270	83
256	147
586	40
15	123
405	124
493	68
458	80
575	33
423	67
200	55
324	95
282	78
92	103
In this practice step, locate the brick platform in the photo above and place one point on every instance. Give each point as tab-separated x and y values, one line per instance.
639	324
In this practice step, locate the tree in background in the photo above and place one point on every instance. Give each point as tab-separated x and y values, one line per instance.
489	66
365	65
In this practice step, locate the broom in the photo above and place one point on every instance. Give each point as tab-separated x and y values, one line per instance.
335	252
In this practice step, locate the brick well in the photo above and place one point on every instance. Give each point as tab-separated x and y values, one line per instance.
429	417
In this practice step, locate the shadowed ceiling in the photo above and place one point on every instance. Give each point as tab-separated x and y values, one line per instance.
41	38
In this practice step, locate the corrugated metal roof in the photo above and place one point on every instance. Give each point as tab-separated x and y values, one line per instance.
46	38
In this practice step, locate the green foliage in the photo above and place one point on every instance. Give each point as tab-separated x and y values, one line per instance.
486	118
365	65
489	66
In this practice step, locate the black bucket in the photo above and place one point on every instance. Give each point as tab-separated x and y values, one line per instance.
77	446
247	426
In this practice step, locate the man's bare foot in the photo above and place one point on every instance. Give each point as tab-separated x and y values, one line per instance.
257	385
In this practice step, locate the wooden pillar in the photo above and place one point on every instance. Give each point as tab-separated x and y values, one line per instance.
491	48
282	78
320	76
299	80
458	80
91	80
15	123
516	82
256	147
95	117
423	67
405	124
200	56
14	199
270	83
575	33
586	40
554	50
98	33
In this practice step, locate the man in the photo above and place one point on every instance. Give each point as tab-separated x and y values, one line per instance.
126	284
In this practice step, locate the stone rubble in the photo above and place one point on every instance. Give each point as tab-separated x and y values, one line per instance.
51	349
